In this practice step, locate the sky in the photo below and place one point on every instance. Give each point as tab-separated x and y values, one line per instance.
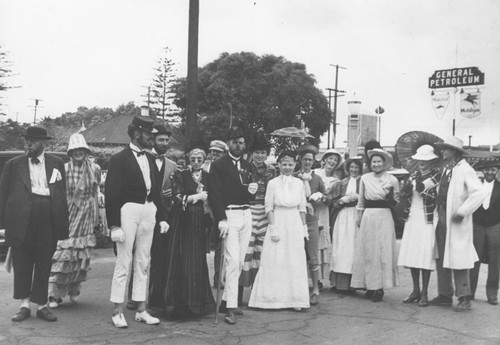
72	53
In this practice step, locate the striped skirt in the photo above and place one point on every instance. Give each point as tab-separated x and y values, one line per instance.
254	250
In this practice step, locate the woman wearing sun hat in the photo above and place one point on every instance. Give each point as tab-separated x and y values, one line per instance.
71	261
374	266
417	250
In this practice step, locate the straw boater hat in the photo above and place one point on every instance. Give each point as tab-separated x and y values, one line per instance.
425	153
380	152
348	161
77	141
452	143
36	132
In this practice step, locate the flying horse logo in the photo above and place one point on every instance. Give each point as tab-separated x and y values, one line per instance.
470	104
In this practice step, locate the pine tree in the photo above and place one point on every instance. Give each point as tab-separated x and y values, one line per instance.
161	87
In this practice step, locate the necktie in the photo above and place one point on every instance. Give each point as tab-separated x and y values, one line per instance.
139	153
35	160
159	156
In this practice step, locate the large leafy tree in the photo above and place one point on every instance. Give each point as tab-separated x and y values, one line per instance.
256	92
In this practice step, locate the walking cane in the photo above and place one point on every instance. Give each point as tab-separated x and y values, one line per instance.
219	281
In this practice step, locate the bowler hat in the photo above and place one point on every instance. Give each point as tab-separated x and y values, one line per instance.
452	143
36	132
144	123
162	129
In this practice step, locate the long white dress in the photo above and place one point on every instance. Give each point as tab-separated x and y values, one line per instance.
281	281
375	253
419	238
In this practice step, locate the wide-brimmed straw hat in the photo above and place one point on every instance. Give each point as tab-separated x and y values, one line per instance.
452	143
388	161
331	152
77	141
425	153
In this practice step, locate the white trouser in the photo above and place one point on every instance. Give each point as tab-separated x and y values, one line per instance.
138	223
235	248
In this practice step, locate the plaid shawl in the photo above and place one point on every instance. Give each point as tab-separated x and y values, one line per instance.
429	194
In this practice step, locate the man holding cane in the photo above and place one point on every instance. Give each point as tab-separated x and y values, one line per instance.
229	194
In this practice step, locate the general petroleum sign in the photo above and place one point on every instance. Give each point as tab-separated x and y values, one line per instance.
456	77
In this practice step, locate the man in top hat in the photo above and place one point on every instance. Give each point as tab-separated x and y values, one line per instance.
132	196
487	232
229	192
165	169
459	195
34	214
315	190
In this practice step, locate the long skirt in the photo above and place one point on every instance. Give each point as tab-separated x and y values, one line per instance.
71	260
375	257
254	250
281	281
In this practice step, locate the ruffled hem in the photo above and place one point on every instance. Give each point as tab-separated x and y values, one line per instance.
77	242
63	279
71	254
66	267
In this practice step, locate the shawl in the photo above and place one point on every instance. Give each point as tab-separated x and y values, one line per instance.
429	194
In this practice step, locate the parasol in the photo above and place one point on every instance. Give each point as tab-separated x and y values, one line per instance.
291	132
407	145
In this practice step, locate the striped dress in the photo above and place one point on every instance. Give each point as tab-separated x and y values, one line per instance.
71	261
260	175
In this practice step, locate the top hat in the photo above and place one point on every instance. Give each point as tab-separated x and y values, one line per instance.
162	129
144	123
36	132
235	133
425	153
77	141
452	143
388	161
218	145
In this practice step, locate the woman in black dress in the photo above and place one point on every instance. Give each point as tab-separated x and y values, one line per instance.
187	287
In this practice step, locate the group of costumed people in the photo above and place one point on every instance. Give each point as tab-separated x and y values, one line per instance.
279	226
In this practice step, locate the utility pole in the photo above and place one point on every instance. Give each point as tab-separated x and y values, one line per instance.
36	106
192	129
335	95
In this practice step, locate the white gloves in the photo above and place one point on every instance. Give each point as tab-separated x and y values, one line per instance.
164	227
197	197
273	231
117	234
306	232
252	188
223	228
316	196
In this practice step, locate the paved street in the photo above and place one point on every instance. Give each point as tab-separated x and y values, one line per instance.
338	319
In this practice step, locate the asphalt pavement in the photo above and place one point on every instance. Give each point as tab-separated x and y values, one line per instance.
338	319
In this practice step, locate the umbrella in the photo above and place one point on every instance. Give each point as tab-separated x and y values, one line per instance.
407	145
291	132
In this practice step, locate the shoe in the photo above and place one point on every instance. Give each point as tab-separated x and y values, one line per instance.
119	321
492	301
73	299
463	304
238	312
54	302
146	318
378	295
131	305
369	294
414	297
297	309
223	307
22	314
46	314
424	302
314	299
441	301
230	318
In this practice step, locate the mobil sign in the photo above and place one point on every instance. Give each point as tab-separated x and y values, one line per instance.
456	77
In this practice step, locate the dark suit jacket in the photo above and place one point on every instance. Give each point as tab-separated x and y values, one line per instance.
165	174
15	199
491	216
225	187
125	183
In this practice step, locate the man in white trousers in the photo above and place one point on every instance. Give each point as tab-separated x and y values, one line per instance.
132	195
229	192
